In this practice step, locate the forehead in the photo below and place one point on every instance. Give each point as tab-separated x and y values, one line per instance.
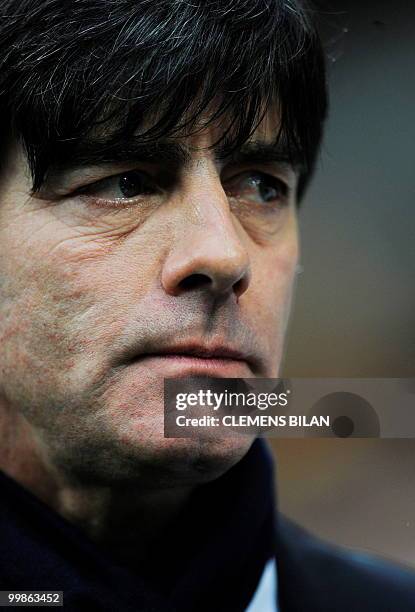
211	134
220	134
208	138
210	123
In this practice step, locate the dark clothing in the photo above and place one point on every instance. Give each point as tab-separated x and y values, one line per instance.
316	576
210	560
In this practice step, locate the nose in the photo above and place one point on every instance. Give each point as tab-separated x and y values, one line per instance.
208	253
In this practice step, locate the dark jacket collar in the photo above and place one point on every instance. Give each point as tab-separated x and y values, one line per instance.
211	559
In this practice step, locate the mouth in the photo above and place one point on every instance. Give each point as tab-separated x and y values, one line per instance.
193	359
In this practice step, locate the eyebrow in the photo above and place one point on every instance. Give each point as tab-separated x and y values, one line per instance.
172	153
261	152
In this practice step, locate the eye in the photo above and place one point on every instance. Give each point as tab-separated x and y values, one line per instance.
258	187
124	186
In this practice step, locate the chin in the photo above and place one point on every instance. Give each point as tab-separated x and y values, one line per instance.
186	461
120	439
130	427
142	457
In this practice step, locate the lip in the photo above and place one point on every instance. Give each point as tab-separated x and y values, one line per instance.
194	358
201	351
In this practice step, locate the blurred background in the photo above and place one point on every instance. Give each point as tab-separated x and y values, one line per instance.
354	314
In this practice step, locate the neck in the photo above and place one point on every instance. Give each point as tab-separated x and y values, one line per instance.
124	518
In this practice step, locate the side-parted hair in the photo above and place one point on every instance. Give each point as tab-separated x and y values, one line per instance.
79	77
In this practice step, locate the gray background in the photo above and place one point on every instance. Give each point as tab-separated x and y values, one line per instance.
354	313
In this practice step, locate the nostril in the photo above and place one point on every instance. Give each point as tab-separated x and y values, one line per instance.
240	286
194	281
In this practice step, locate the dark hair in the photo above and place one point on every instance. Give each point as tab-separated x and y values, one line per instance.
87	74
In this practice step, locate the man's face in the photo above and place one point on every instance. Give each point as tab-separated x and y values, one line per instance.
114	277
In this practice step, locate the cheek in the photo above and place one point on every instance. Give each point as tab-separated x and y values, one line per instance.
66	296
40	297
273	274
32	333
